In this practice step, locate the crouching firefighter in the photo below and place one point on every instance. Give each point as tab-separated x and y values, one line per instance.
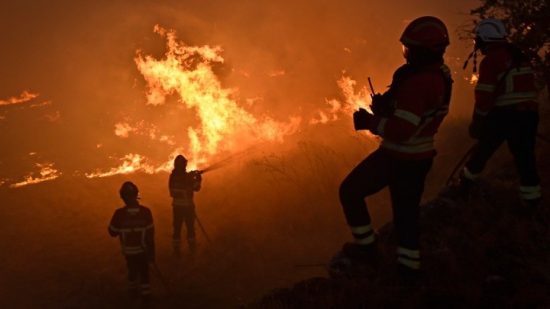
182	185
406	117
133	224
505	110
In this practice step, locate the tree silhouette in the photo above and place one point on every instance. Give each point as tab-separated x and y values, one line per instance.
528	24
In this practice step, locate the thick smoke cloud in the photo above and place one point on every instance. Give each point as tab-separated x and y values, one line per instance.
284	57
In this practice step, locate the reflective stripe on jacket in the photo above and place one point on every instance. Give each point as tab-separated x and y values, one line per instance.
182	186
134	226
421	103
504	81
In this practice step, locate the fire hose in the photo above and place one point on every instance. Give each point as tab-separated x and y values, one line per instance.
161	278
203	230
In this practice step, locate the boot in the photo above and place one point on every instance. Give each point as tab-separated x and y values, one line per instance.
355	261
458	191
407	276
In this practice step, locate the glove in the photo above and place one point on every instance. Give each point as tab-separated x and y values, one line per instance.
381	105
477	127
362	119
197	175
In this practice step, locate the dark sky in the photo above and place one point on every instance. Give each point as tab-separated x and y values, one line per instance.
79	57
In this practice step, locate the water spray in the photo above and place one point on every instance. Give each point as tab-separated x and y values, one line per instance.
228	160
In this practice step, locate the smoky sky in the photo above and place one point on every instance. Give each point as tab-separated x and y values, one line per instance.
285	55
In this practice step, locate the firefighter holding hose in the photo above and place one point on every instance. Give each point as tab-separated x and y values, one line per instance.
182	186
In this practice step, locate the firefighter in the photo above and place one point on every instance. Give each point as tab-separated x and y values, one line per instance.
182	185
505	109
133	224
406	117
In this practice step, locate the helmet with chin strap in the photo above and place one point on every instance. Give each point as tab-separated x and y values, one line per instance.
426	32
491	30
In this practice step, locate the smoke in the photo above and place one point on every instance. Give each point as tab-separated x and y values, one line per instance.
279	59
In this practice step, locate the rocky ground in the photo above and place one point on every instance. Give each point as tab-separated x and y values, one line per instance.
487	252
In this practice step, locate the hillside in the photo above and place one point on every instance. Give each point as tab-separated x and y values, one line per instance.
486	253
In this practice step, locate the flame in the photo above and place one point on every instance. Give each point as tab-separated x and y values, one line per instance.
25	96
132	163
276	73
224	126
123	129
473	79
53	117
41	104
353	100
47	172
332	114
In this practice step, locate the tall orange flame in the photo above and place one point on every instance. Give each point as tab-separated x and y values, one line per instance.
353	100
224	125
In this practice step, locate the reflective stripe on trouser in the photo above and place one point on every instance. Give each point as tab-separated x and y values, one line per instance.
530	192
145	289
180	215
408	257
363	235
413	145
469	175
405	179
519	130
129	250
138	269
133	285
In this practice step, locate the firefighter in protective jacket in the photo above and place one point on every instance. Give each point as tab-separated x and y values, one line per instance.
505	109
133	224
406	117
182	185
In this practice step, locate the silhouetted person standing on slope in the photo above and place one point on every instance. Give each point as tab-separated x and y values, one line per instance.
506	109
133	224
183	185
406	117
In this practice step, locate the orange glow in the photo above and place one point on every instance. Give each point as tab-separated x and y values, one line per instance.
474	78
277	73
353	100
47	172
224	126
25	96
130	163
123	129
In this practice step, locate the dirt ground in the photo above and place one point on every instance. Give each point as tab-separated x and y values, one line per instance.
265	215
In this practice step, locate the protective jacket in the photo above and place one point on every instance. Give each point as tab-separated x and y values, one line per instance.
134	226
182	186
506	79
419	98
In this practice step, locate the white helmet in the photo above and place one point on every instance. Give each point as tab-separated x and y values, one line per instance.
491	30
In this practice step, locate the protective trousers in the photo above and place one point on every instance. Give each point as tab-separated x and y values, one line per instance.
138	273
519	130
181	214
405	179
